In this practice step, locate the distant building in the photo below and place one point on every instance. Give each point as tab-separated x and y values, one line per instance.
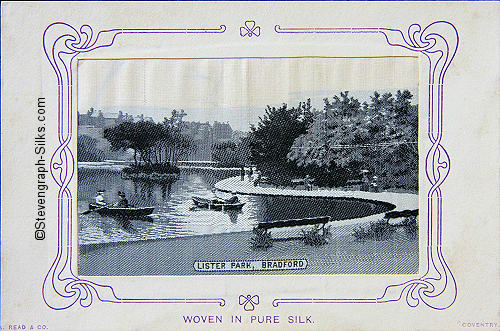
238	135
141	117
222	132
100	119
205	135
91	131
110	119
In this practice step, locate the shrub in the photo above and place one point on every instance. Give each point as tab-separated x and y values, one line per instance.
360	234
262	239
411	226
380	230
313	237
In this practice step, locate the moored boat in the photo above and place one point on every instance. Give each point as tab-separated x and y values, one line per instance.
216	204
121	211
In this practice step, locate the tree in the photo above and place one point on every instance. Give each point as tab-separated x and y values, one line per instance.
271	139
232	154
331	131
175	120
158	145
322	152
176	144
346	137
139	136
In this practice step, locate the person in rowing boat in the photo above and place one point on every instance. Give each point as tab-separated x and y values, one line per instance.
233	199
99	198
122	201
215	199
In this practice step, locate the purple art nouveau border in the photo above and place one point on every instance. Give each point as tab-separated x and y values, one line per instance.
438	42
62	43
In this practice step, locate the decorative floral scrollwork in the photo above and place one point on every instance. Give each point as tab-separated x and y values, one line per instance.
62	43
438	42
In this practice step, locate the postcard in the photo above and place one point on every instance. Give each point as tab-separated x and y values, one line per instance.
250	165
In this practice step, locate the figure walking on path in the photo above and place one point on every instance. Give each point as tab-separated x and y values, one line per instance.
365	186
258	177
307	183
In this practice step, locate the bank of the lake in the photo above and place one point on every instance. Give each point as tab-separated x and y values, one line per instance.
179	234
176	256
401	201
175	214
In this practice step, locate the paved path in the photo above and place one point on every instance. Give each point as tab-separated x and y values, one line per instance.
402	201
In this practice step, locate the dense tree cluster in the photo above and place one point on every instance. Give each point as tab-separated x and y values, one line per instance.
232	154
152	143
335	144
271	140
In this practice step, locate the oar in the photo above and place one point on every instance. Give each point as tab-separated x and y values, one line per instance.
92	210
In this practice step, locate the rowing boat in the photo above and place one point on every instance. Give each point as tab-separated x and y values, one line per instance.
121	211
216	204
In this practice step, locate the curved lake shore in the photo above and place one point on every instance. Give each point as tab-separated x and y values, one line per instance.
179	234
401	201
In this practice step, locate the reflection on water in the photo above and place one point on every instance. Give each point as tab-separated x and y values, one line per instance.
174	215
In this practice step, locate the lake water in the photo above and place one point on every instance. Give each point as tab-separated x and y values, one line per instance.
175	215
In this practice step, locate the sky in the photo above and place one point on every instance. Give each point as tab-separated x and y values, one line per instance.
234	90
